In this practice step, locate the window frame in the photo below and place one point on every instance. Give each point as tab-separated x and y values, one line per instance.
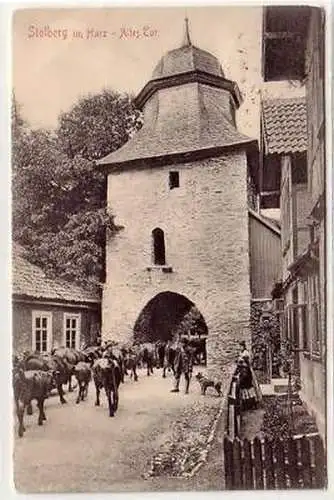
158	241
70	316
174	179
41	314
315	319
297	314
286	205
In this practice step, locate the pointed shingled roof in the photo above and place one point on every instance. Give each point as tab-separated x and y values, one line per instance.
188	108
184	59
198	125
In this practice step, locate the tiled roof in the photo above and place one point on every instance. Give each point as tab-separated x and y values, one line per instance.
284	126
30	281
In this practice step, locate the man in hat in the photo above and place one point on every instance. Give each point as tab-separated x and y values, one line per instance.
183	363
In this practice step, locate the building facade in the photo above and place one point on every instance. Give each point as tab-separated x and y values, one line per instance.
293	48
49	313
180	189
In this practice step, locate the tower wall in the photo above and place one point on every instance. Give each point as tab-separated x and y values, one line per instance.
205	222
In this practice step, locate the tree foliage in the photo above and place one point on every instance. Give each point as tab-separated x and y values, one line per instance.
59	194
97	125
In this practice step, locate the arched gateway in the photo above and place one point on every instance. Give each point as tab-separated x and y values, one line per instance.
179	189
165	316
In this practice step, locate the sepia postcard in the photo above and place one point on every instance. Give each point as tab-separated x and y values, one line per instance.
170	248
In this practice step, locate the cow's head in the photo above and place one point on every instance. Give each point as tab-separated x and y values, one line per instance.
55	374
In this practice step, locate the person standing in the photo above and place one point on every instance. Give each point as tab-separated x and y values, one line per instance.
183	363
244	352
248	380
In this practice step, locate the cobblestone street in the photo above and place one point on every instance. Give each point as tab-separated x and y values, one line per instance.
81	449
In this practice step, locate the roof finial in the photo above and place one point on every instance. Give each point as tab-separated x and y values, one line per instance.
186	38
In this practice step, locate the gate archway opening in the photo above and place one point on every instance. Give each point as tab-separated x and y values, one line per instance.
166	316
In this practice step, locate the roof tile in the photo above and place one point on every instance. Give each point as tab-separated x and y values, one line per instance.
284	126
31	281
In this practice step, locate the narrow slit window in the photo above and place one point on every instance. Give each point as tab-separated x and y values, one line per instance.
174	180
159	255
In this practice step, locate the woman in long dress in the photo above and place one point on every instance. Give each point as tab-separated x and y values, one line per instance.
250	392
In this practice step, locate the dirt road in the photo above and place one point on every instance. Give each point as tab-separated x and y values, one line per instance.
81	449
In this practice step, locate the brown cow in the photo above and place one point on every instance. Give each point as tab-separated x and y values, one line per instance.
147	356
72	357
130	363
58	366
170	351
28	385
83	375
107	375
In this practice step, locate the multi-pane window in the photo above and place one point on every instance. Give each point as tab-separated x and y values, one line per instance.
42	328
72	330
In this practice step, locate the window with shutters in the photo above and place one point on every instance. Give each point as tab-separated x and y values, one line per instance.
72	330
41	331
297	326
315	105
314	313
305	344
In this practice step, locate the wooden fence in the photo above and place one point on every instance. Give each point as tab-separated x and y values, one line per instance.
298	462
233	409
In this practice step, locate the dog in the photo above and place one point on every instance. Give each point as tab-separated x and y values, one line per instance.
205	383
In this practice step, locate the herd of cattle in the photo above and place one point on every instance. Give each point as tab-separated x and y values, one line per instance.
36	374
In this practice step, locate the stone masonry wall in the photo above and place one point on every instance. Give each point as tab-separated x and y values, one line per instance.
205	222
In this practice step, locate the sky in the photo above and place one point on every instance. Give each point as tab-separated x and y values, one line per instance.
50	74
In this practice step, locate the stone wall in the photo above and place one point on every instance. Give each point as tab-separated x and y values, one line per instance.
205	222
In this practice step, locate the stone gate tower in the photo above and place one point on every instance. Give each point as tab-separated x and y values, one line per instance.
179	189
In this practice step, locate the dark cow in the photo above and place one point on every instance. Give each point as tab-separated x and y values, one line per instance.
29	385
107	375
130	363
170	352
57	365
160	348
113	350
83	375
198	346
92	353
72	357
147	357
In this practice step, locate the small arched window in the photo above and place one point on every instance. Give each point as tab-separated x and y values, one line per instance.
159	255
